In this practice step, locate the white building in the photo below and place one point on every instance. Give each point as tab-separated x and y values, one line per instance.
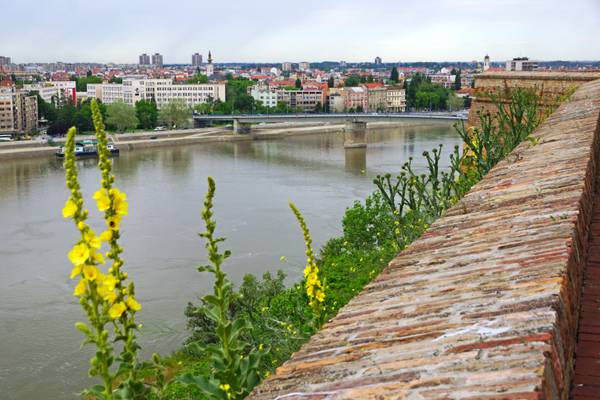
108	93
304	66
486	62
267	97
521	64
286	66
396	99
53	91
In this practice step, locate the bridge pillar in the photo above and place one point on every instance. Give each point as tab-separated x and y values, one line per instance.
241	128
355	134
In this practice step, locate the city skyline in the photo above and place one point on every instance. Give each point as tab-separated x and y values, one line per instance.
459	30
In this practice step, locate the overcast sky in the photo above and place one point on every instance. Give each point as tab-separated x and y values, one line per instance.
306	30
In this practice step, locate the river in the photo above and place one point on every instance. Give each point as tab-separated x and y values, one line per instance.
40	354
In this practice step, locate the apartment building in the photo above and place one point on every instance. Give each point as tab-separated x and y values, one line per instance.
308	100
521	64
356	98
164	90
396	99
108	93
18	111
264	95
53	91
377	98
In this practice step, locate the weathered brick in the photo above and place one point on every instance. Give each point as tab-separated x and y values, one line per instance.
485	304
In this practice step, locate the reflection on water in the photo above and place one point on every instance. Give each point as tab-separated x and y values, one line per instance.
355	160
39	350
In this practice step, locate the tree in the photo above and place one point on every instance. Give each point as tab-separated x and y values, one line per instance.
198	78
121	116
330	82
352	81
457	84
176	113
115	79
394	75
298	83
146	113
455	102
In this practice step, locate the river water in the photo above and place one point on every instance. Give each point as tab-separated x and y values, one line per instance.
40	355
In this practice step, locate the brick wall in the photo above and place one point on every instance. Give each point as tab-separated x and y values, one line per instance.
485	303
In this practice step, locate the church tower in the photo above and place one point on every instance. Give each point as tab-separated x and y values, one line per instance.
486	62
209	67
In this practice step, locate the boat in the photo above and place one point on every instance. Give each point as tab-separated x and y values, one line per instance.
88	148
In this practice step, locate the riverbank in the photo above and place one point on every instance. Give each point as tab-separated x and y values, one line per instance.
144	140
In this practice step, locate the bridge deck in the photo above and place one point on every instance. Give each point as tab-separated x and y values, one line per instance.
586	385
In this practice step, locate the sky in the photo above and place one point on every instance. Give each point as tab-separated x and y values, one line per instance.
307	30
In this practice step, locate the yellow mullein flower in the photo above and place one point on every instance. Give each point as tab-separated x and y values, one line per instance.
97	256
80	289
133	304
76	271
92	240
81	225
90	272
117	310
79	254
102	199
320	296
69	209
110	282
106	236
106	293
119	201
113	222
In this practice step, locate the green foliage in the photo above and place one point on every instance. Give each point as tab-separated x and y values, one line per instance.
457	83
82	82
175	114
351	81
394	77
198	78
233	363
516	117
121	116
115	79
298	83
455	103
147	114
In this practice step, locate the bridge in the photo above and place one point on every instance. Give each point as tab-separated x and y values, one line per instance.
500	298
242	122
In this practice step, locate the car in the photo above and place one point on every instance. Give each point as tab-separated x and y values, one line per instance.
160	128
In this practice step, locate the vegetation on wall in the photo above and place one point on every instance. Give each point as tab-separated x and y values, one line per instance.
239	336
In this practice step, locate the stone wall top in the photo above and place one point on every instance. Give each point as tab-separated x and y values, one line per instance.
485	303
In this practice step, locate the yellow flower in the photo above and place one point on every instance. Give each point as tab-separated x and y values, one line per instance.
107	293
133	304
261	346
117	310
307	270
110	282
98	257
80	289
113	222
76	271
69	209
79	254
93	240
90	272
81	225
119	202
106	236
102	199
320	296
225	387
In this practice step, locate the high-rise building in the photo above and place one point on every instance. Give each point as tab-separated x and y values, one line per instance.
144	59
210	69
18	111
286	66
4	60
196	59
157	60
486	62
521	64
378	60
304	66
